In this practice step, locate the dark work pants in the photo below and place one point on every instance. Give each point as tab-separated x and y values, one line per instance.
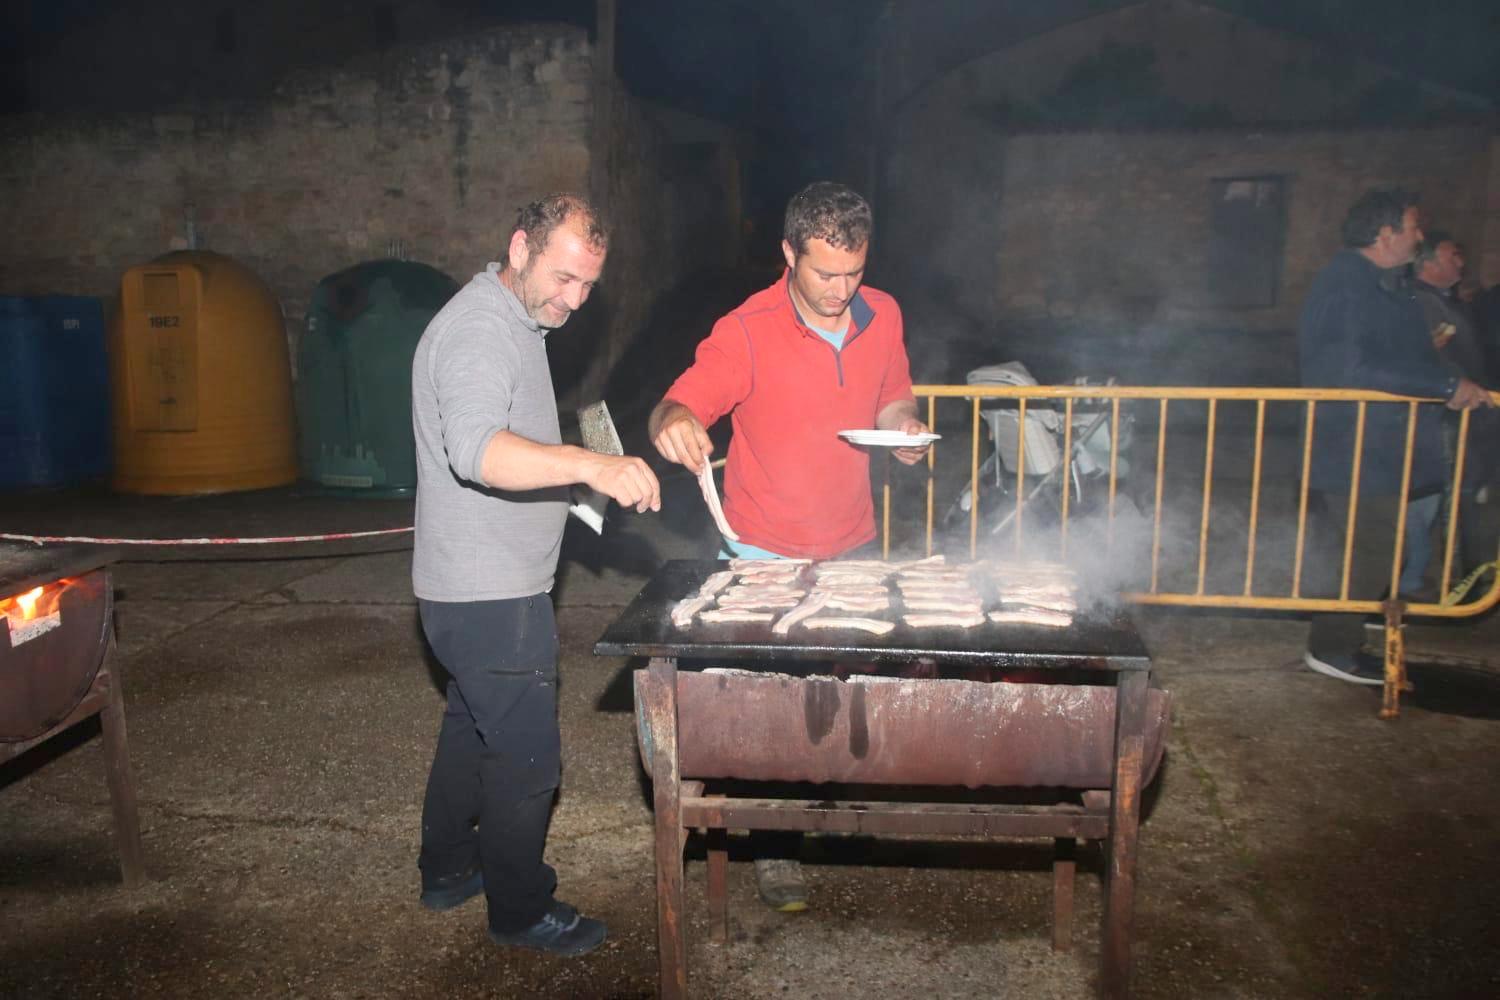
499	752
1323	563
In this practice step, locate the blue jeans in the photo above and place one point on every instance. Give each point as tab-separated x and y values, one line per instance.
1421	515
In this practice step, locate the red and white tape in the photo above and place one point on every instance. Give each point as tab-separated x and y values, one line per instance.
272	540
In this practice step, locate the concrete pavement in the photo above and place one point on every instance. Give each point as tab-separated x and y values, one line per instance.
282	709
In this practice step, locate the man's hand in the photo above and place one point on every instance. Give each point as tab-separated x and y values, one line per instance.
625	479
678	436
902	416
1469	395
911	456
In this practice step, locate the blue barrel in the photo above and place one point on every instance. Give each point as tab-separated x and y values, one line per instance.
54	392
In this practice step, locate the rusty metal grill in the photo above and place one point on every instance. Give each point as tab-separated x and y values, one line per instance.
57	667
1083	717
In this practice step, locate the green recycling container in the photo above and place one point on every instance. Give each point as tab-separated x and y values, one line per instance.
354	374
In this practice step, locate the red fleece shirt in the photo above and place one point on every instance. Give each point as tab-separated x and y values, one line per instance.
792	485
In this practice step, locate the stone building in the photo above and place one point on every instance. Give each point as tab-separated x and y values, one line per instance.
424	147
1149	191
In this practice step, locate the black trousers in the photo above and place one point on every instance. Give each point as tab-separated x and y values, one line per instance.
499	752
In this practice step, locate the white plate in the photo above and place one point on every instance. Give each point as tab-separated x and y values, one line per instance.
888	439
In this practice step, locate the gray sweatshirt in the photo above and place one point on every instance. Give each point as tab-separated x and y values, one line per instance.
481	367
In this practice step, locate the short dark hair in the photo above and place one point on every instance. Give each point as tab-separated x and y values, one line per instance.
1375	210
827	211
539	218
1428	248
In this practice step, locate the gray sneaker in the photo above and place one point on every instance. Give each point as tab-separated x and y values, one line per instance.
1353	668
561	931
780	883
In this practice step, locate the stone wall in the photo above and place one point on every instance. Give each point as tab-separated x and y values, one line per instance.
431	146
1486	268
1092	247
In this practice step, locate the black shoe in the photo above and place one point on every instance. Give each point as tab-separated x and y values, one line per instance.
1355	668
561	931
450	890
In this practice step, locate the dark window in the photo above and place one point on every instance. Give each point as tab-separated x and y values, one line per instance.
385	25
224	40
1248	229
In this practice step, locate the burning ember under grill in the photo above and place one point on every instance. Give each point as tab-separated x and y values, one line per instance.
57	666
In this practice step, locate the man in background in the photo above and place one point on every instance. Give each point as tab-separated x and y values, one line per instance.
1438	268
1362	328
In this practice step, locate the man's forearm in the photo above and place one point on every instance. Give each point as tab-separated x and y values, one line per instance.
666	411
512	462
895	414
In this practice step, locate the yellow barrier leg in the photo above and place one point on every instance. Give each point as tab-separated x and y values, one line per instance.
1395	661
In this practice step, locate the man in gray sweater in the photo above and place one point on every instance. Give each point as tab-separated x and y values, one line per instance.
492	478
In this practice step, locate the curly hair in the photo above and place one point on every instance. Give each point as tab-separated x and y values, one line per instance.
1373	211
827	211
539	218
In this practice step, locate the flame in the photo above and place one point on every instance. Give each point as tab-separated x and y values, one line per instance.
27	601
38	602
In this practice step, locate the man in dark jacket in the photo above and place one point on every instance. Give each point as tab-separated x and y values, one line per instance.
1437	269
1362	328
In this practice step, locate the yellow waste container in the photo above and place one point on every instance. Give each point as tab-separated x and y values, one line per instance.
201	384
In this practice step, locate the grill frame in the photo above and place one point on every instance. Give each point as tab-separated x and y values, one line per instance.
1101	647
23	568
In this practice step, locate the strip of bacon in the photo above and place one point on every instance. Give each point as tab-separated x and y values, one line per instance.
843	603
956	619
684	610
1034	595
734	615
762	590
873	625
852	590
850	580
751	564
771	573
1060	604
810	605
945	573
716	582
758	603
974	606
711	497
937	586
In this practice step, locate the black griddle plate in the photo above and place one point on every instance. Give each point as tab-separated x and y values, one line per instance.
1097	639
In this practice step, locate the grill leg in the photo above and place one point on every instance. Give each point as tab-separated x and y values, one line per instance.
666	776
1063	867
119	777
1124	824
718	884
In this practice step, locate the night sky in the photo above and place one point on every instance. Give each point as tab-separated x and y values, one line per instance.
784	66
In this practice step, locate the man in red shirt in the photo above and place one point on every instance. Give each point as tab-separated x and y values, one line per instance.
793	365
796	363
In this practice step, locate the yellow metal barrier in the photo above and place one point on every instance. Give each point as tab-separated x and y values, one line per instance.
1249	595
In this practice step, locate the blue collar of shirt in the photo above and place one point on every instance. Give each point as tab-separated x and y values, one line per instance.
861	314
